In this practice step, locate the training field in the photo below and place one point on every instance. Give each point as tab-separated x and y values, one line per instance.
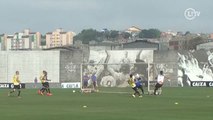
191	104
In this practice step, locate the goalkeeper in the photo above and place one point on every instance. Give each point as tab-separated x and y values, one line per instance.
160	81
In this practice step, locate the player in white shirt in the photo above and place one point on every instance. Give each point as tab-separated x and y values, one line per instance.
160	80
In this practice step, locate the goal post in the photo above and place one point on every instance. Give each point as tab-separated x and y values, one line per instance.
151	78
113	77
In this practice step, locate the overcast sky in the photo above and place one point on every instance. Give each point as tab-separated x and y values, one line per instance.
76	15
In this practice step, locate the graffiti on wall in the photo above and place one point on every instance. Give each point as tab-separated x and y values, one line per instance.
71	68
195	68
112	68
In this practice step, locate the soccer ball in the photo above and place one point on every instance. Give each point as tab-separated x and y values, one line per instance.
73	91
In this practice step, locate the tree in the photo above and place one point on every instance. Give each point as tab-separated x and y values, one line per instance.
114	34
126	35
143	33
194	42
105	34
150	33
88	35
187	33
109	34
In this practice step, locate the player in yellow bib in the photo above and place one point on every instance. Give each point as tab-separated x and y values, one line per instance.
16	83
45	84
131	82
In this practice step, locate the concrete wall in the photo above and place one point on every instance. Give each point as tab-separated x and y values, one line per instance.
30	65
3	67
61	65
65	66
70	64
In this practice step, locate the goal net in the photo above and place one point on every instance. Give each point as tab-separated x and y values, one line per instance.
169	71
111	78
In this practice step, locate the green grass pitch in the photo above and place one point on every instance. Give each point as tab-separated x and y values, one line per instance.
193	104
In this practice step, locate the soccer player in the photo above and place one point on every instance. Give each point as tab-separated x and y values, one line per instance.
35	82
131	82
138	82
160	81
94	81
45	84
16	83
85	80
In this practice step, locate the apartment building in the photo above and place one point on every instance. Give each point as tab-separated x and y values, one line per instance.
35	38
59	38
8	42
2	42
211	36
23	40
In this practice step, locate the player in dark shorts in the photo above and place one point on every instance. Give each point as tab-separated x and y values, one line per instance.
139	84
131	82
45	84
160	81
85	80
16	83
94	81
